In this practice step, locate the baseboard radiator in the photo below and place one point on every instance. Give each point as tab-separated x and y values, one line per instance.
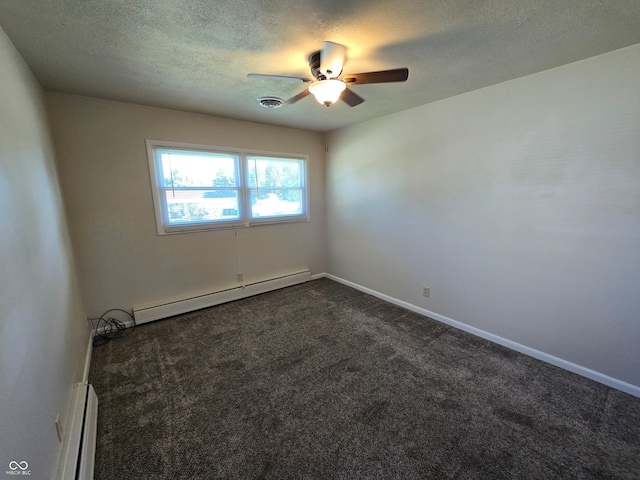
166	309
79	447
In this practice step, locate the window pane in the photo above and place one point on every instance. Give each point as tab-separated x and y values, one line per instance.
276	203
179	168
201	206
265	172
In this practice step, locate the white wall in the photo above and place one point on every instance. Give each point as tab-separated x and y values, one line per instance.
122	262
518	204
43	327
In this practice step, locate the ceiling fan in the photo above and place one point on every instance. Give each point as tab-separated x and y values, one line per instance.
326	66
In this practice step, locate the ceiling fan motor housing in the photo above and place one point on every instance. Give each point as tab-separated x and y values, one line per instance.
314	65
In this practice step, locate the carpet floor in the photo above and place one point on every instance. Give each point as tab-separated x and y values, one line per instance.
322	381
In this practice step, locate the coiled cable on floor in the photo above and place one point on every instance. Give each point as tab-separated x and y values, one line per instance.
108	327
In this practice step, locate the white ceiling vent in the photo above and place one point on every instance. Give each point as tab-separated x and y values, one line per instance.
270	102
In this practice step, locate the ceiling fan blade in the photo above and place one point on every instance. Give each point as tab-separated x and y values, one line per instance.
350	98
279	77
384	76
332	58
297	97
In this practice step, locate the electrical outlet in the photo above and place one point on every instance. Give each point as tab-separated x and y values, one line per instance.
59	428
239	278
426	291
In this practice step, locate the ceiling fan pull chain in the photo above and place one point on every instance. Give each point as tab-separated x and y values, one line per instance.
326	144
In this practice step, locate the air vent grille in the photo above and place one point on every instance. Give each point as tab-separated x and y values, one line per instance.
270	102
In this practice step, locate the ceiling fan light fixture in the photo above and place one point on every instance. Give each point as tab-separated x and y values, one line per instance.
327	92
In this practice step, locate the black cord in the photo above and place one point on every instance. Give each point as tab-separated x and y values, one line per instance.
108	327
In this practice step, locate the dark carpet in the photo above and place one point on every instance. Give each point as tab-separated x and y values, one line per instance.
322	381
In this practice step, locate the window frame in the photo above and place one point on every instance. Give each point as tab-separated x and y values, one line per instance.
245	219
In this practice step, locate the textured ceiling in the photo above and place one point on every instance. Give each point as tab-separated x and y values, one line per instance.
195	55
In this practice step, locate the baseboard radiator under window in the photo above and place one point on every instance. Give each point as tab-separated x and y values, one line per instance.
79	448
176	307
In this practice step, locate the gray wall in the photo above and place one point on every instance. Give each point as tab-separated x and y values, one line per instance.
518	204
122	262
43	328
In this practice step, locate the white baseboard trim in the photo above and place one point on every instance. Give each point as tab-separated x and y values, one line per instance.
537	354
170	308
87	360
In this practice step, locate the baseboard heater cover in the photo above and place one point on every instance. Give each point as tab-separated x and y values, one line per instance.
171	308
79	446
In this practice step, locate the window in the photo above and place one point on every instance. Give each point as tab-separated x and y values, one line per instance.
202	188
276	187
